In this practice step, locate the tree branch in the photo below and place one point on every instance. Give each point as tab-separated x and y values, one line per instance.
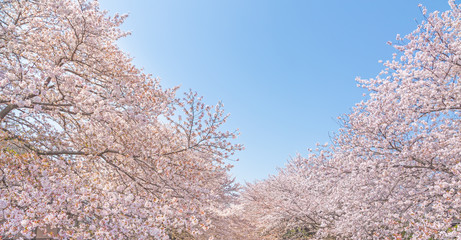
7	110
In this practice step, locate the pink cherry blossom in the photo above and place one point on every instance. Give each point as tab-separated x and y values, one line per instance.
91	146
392	171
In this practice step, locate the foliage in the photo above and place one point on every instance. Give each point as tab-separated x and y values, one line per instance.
91	145
393	170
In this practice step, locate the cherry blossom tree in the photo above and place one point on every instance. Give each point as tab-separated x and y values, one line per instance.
92	147
404	142
393	171
299	202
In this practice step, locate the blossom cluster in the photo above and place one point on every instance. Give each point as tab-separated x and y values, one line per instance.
393	170
91	147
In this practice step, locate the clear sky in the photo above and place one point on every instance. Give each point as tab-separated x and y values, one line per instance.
283	69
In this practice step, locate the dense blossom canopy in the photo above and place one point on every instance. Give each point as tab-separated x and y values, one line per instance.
92	147
394	168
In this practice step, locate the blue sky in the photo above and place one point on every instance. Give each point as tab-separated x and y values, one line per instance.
283	69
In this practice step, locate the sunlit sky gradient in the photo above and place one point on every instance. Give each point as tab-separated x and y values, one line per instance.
283	69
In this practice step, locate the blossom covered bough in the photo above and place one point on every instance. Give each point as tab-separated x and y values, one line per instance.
90	146
394	168
93	148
